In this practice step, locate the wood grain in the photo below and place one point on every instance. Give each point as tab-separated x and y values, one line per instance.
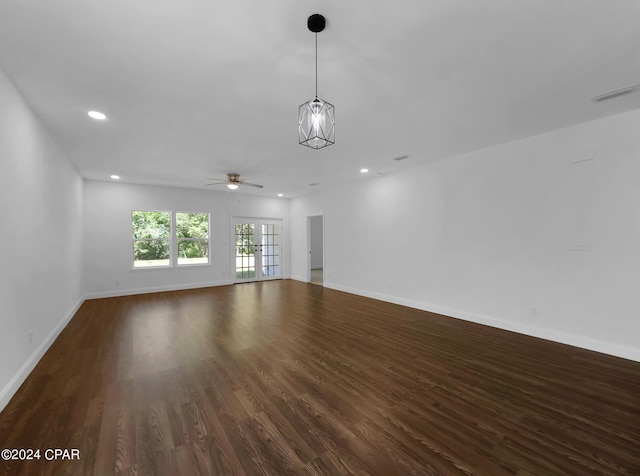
283	377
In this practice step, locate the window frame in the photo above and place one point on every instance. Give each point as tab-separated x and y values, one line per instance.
168	239
172	240
177	240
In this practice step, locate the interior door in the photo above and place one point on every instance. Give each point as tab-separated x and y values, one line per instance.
257	249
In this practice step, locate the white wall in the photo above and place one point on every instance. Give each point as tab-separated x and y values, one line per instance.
40	239
108	245
515	236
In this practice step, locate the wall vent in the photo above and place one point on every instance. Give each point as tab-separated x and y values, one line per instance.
582	156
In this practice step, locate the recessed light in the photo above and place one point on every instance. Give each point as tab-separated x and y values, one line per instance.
281	195
364	171
115	177
97	115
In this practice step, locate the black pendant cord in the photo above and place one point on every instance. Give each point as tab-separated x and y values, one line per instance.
316	65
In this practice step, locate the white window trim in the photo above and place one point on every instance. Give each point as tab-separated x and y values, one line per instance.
173	242
175	237
133	241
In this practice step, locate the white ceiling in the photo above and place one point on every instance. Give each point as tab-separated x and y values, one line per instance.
196	88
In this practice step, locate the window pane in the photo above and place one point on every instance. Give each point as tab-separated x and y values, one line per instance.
192	225
193	252
192	231
151	231
150	225
148	253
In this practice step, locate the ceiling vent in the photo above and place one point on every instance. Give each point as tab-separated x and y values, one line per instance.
402	157
615	93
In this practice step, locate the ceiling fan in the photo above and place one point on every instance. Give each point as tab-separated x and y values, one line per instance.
232	181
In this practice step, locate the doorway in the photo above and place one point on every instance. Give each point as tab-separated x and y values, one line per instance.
315	232
256	255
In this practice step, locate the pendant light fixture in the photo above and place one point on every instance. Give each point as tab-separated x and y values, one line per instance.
316	117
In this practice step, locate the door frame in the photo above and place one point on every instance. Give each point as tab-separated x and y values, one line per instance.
258	222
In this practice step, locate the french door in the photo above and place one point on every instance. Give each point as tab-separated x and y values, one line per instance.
257	249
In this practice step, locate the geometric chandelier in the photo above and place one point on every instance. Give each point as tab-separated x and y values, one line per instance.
316	117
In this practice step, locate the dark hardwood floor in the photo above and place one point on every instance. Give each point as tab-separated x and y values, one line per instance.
283	377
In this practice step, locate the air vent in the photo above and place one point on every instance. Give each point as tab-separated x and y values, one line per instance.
402	157
615	93
313	184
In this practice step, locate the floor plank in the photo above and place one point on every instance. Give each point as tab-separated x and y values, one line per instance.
284	377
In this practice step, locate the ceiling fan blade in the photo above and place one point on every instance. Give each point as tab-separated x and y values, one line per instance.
252	184
215	181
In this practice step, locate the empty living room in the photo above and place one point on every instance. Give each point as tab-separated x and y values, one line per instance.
438	275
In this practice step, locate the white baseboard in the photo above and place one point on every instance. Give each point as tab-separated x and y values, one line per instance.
7	393
299	277
605	347
155	289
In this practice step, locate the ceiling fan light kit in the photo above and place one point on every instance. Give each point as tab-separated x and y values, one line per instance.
233	182
316	117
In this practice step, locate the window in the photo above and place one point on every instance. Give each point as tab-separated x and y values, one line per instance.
151	238
154	239
192	235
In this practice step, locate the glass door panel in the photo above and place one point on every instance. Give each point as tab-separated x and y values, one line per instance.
245	251
270	250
